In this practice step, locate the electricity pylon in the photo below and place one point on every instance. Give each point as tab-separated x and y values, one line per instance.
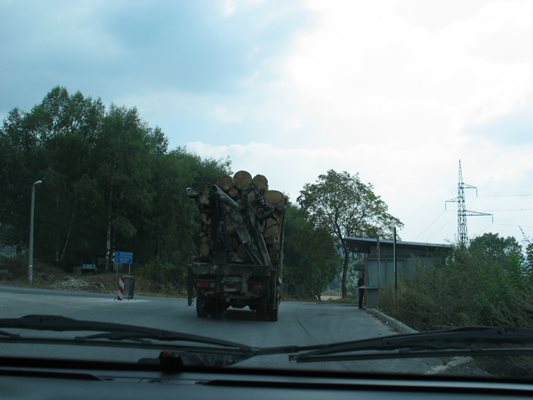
462	212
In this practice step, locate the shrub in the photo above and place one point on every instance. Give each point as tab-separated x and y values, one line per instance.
160	276
480	285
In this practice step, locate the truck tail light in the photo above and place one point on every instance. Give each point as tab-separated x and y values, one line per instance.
202	284
259	286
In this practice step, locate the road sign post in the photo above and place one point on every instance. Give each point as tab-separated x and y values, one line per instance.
122	257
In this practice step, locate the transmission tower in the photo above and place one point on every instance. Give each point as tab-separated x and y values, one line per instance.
462	212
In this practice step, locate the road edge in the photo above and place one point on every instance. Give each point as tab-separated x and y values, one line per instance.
403	328
392	322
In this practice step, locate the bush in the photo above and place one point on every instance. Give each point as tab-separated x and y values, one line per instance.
473	287
13	268
160	276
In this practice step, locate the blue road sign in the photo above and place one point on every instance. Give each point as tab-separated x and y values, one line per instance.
123	257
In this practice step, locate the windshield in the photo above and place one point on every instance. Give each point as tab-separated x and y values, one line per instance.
270	173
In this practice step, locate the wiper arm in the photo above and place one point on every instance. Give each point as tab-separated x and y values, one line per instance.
112	331
461	341
9	334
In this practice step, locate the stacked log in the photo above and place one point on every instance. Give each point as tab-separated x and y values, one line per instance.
250	194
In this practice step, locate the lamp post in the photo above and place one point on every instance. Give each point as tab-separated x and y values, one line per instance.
32	213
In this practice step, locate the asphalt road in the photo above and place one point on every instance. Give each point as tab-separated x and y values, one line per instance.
300	323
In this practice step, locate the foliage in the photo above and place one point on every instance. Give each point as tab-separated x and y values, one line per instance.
483	284
311	260
109	183
345	206
159	276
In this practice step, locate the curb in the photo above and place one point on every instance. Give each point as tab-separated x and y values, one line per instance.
403	328
392	322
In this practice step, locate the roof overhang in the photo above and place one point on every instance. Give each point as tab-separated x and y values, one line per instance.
363	245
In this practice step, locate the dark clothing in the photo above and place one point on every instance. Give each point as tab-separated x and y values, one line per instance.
361	291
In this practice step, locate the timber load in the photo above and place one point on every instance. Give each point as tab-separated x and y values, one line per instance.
241	221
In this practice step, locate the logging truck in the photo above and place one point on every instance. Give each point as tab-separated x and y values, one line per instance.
240	254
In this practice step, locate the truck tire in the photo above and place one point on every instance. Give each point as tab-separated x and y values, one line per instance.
201	309
266	312
261	311
271	314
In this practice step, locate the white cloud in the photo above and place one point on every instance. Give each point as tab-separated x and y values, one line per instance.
371	90
228	8
366	67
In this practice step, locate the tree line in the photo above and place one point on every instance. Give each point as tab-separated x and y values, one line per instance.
110	182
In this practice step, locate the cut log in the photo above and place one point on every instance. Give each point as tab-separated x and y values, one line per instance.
274	251
203	199
272	229
204	250
205	219
230	228
243	180
233	193
225	183
275	198
251	196
261	183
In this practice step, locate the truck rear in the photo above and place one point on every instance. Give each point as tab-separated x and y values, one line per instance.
240	256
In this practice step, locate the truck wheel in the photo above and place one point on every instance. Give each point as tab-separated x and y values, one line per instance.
271	314
201	309
261	311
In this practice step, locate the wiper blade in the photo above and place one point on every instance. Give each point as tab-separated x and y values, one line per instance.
445	343
112	331
461	341
9	334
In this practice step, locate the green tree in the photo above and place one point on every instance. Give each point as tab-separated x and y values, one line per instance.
345	206
121	164
110	182
529	257
310	257
51	142
172	224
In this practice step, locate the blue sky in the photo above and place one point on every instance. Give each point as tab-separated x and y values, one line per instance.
395	90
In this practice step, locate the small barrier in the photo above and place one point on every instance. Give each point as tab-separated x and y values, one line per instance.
120	292
126	287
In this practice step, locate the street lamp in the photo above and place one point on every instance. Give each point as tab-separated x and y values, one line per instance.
30	261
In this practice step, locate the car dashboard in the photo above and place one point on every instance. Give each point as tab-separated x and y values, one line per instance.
57	379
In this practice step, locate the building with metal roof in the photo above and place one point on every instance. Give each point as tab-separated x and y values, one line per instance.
387	262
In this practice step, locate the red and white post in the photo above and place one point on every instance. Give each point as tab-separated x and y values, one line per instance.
120	292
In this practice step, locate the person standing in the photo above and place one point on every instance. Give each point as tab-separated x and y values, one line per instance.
361	288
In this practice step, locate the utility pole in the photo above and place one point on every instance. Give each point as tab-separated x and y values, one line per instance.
462	212
395	261
32	215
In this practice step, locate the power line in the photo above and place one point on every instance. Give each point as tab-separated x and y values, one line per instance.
488	196
440	229
430	225
512	210
515	225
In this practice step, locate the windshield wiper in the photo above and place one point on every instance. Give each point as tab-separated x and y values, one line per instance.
212	352
485	341
216	352
112	331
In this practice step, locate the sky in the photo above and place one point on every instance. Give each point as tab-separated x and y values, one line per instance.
395	91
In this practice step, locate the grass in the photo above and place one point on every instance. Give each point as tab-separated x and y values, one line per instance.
47	277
